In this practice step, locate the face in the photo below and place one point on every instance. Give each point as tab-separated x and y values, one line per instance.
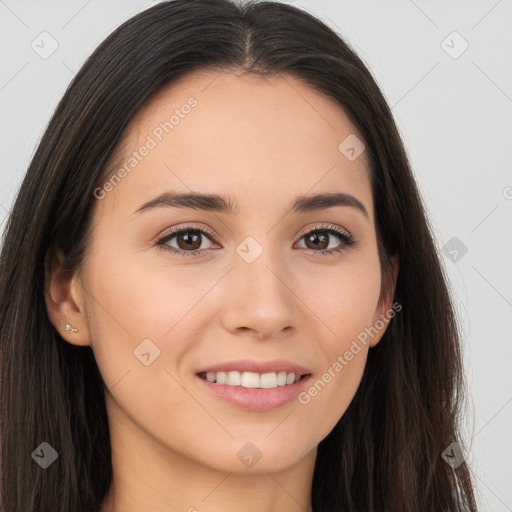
261	289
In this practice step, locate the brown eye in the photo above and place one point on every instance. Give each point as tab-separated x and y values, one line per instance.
188	241
318	240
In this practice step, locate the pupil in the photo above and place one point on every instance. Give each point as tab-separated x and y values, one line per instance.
190	239
315	238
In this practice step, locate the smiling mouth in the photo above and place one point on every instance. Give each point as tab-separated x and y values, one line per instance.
253	380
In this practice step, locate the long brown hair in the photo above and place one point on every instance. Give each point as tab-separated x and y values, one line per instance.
384	454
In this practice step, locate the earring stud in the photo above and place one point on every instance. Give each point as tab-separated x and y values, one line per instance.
69	328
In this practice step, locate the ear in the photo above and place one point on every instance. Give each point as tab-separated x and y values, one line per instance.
64	299
385	310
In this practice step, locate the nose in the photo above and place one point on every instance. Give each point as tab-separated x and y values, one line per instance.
261	300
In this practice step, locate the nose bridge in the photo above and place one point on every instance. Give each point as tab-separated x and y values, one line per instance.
261	297
260	264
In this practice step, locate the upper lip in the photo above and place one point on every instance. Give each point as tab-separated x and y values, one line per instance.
248	365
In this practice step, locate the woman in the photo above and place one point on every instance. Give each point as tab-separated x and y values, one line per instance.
304	355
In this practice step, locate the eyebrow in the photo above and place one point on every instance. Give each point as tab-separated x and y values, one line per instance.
216	203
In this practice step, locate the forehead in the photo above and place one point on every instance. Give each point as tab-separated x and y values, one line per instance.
256	139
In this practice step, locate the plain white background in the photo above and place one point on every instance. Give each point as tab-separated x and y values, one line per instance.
453	106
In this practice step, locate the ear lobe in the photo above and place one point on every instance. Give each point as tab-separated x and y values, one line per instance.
382	314
63	303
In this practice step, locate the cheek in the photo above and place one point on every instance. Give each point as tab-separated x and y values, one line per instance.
135	321
344	299
346	302
130	304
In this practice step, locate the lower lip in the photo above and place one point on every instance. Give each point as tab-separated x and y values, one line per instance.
256	399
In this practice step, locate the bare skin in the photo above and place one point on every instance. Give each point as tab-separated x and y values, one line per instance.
262	143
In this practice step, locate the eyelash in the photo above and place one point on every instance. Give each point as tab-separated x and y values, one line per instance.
347	239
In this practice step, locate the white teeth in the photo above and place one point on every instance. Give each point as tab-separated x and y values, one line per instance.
281	379
234	379
252	379
268	380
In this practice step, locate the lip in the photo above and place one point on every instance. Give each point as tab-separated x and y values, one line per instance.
248	365
256	399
